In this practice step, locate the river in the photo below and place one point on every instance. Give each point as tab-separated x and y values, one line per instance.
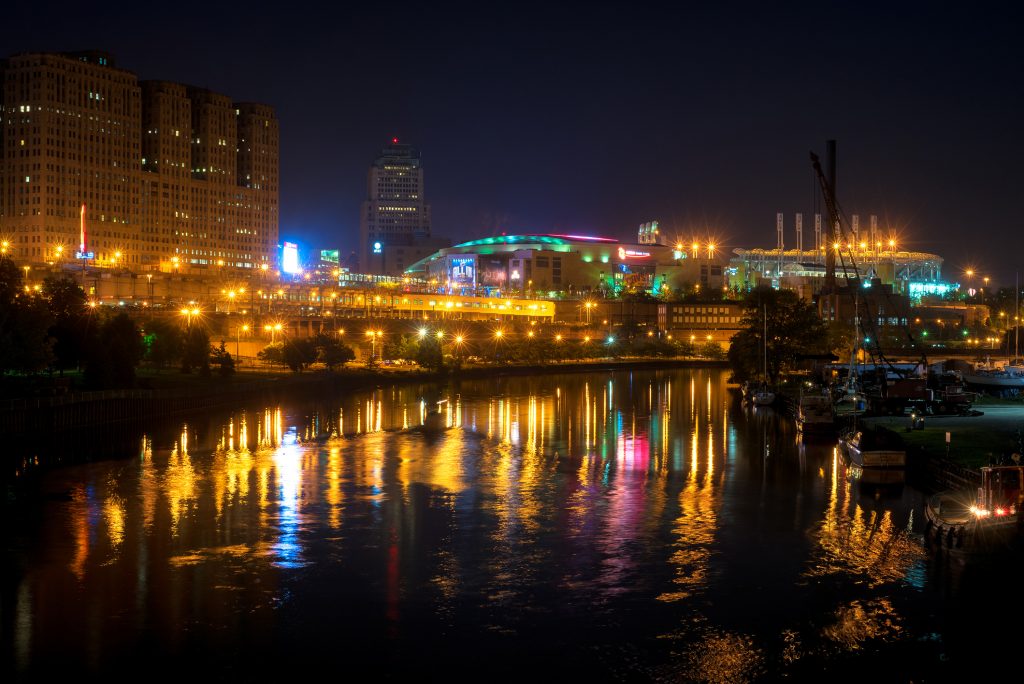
624	526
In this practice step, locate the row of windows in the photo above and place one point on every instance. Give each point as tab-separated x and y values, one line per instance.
707	320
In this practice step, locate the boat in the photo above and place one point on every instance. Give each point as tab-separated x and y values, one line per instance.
989	521
873	448
878	477
814	414
851	401
987	375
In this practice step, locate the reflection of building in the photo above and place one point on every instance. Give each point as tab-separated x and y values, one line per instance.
163	170
573	264
394	226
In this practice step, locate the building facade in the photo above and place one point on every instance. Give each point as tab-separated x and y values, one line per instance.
568	265
141	175
394	225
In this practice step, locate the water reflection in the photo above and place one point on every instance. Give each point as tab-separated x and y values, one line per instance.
578	510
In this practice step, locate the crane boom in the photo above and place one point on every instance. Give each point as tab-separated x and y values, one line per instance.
832	251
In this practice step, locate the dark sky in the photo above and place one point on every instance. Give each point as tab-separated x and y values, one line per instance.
597	118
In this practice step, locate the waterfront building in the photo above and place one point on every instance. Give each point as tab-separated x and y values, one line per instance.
145	176
394	224
913	274
556	265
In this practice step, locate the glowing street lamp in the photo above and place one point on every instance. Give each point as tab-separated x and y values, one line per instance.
189	313
374	335
238	333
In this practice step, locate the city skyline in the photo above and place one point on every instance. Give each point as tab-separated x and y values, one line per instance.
600	121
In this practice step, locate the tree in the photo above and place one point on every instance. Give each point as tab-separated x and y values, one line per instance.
70	330
165	343
428	354
196	350
711	350
794	329
25	342
272	353
10	282
222	359
299	353
114	354
332	352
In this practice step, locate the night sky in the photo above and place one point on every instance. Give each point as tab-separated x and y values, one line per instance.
534	119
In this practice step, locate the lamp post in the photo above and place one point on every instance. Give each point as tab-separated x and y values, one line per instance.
273	329
238	334
374	335
189	313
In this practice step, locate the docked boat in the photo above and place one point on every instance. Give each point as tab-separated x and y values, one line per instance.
814	414
874	448
763	397
989	521
850	402
987	376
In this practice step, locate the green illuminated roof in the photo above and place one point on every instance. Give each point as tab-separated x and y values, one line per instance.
514	240
535	239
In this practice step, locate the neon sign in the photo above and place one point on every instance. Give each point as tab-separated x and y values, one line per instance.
632	253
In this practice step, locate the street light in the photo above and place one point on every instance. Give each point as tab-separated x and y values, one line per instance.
189	313
374	335
273	329
238	333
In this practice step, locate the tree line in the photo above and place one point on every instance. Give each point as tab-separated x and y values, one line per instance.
51	328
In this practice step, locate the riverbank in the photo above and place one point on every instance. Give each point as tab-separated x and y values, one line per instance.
171	393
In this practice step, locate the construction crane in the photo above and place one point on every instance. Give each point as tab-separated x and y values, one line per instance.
834	250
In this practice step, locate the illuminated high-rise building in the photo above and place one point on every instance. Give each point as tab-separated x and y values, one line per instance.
394	226
167	174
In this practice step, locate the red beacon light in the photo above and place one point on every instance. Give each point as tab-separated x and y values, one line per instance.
394	141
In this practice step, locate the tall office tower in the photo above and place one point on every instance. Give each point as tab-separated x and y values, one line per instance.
394	228
70	138
256	202
171	177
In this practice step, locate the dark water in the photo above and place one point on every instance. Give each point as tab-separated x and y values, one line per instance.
614	526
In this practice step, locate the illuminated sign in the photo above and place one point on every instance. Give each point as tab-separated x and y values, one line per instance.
330	255
632	253
462	270
378	247
290	258
85	255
